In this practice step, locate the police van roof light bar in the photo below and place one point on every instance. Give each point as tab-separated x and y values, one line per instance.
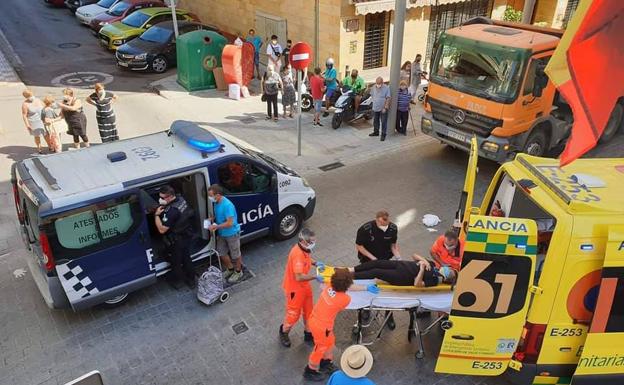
195	136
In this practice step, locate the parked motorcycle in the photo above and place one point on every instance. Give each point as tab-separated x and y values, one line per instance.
307	103
345	108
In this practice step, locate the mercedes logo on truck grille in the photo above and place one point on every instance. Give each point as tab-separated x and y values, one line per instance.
459	117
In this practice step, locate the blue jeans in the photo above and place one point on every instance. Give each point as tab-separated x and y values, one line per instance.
380	117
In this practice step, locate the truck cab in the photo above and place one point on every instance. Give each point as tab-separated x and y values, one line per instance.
540	292
487	80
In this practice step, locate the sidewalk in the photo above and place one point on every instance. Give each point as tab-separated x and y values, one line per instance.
321	146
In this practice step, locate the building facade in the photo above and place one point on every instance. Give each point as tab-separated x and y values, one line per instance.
358	33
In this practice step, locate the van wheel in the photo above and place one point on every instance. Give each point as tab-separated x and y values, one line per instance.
613	125
115	301
288	224
536	144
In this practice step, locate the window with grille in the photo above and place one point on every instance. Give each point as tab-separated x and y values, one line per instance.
570	8
452	15
375	40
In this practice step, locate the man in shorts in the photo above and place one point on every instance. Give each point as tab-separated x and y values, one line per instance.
316	89
228	234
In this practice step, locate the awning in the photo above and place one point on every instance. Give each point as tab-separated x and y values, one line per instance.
364	7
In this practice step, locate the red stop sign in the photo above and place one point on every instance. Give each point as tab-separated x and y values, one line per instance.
300	56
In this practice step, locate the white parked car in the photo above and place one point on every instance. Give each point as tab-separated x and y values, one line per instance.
87	12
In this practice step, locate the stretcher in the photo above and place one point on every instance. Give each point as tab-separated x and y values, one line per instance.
379	307
329	271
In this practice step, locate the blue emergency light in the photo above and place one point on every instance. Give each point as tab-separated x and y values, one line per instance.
195	136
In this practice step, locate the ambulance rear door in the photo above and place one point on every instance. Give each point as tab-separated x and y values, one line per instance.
465	201
602	359
491	297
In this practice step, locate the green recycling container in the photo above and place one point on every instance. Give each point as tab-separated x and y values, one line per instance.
198	53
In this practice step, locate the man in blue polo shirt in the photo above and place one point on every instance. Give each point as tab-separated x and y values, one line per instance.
331	83
228	234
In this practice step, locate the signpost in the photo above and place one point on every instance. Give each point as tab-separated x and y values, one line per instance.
172	5
300	58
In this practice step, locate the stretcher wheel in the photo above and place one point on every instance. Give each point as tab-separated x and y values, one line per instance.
420	354
224	297
355	334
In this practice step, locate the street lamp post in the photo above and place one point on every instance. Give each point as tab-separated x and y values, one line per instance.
174	16
400	8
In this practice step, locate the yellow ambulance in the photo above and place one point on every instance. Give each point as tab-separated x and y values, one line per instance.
540	293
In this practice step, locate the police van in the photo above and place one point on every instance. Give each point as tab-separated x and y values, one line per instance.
540	292
87	215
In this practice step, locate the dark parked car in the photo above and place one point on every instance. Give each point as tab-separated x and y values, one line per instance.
119	11
73	5
55	3
155	49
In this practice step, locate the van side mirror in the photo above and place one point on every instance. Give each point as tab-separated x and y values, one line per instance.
541	81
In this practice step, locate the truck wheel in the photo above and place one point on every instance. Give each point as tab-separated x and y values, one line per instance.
115	301
613	125
288	224
336	121
536	144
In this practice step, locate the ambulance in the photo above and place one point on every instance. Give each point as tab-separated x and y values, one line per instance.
540	293
87	215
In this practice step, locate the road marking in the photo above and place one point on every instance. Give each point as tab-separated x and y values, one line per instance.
82	79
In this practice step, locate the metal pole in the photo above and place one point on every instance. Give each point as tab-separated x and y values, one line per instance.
175	18
395	60
317	17
527	11
299	83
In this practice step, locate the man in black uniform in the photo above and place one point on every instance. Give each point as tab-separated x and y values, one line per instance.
173	220
377	240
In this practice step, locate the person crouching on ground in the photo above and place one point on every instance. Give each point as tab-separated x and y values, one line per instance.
297	288
333	300
356	362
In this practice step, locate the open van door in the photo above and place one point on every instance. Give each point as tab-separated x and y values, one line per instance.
465	201
602	360
491	297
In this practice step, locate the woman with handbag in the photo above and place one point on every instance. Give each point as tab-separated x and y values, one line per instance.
271	84
75	118
54	123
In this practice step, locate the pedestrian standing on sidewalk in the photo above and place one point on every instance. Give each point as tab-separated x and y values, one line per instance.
403	108
380	93
270	85
274	52
103	101
75	117
289	95
416	76
239	39
286	52
54	123
406	71
31	113
257	43
317	87
228	234
331	83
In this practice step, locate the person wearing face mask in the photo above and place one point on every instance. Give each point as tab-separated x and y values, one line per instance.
289	94
380	93
403	107
416	75
74	117
227	229
103	101
448	250
270	86
357	85
274	52
331	83
257	43
297	288
173	220
286	53
31	114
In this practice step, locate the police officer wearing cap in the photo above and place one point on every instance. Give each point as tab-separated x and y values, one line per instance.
173	220
377	239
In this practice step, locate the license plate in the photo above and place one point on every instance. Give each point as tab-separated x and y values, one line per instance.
122	63
456	136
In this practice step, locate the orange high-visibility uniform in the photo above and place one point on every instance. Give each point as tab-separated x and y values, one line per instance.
299	298
453	258
321	324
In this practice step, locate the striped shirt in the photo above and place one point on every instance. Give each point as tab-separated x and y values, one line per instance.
404	100
104	106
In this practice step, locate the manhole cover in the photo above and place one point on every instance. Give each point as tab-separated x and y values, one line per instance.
81	79
69	45
331	166
247	120
240	328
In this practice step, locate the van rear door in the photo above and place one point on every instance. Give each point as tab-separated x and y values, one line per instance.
101	250
602	359
465	201
491	297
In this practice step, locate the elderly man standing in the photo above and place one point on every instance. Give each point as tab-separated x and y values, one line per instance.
381	101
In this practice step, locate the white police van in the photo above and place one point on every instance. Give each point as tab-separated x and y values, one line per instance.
85	214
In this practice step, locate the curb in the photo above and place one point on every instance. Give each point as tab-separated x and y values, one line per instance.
8	55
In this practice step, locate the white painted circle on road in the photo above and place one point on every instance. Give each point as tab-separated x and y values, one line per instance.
81	79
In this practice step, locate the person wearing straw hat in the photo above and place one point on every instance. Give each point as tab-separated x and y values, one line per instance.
356	362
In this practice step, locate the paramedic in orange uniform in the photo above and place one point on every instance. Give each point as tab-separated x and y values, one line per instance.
333	300
448	250
297	288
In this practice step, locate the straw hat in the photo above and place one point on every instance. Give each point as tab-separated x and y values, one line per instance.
356	361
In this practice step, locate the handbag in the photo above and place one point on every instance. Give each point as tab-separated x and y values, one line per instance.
263	98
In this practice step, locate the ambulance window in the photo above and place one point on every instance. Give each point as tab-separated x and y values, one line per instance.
242	177
491	285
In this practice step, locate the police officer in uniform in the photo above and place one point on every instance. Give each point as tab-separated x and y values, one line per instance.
173	220
375	240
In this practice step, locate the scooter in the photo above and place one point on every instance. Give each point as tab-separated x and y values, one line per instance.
345	108
423	87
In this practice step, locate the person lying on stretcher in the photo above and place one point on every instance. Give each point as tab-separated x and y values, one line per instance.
417	273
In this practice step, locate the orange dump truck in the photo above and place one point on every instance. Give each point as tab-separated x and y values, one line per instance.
487	80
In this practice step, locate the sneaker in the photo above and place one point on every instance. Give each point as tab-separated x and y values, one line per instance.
319	124
327	366
307	337
313	375
283	336
235	277
373	134
227	273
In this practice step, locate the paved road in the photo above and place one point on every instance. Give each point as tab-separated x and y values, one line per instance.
36	31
